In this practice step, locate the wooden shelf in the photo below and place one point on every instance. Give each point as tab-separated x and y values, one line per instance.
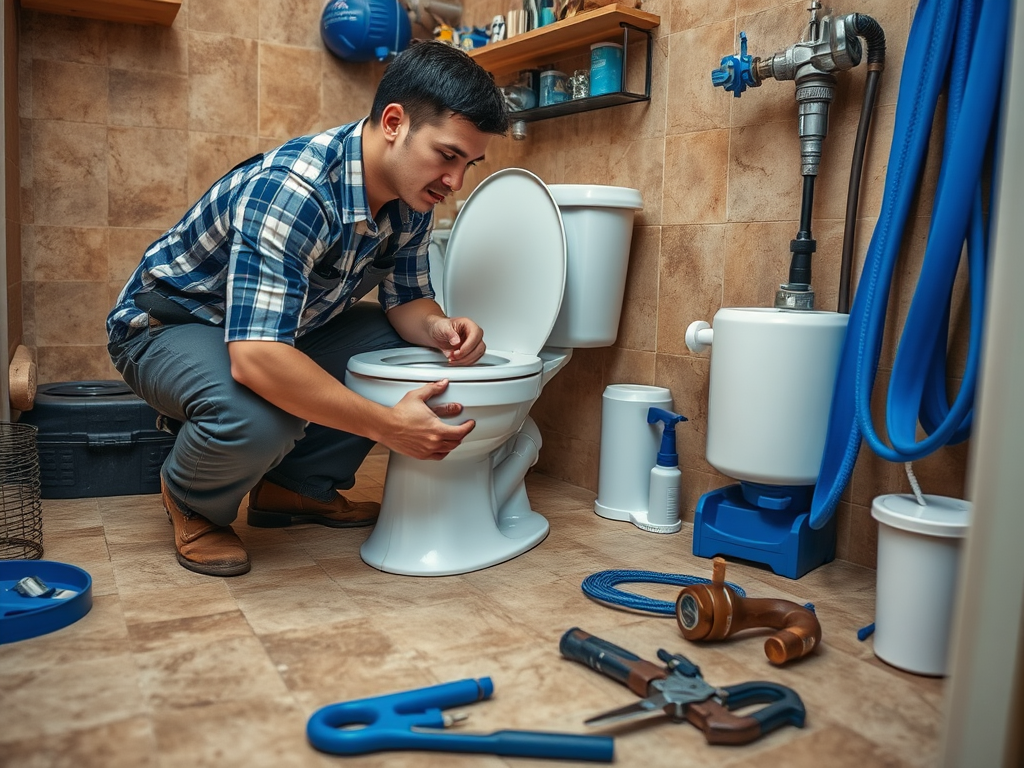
128	11
539	46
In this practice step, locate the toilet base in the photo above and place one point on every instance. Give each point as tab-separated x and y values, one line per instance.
441	519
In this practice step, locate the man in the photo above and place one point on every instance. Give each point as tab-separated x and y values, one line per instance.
239	322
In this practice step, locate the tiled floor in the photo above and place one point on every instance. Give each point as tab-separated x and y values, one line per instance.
171	668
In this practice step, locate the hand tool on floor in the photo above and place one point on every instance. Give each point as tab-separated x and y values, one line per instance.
412	719
715	611
680	691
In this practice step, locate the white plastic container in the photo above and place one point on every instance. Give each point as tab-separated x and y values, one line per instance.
629	448
918	565
771	382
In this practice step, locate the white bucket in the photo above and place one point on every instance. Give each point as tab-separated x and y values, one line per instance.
918	564
629	448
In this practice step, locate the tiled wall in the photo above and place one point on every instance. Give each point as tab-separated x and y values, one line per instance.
720	178
122	126
12	196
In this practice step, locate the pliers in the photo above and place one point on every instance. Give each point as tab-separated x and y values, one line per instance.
680	691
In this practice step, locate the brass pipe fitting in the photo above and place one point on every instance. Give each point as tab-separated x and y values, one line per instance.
714	612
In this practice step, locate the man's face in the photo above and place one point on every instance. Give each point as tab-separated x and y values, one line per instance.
430	162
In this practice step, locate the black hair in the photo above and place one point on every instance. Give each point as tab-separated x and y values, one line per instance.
430	79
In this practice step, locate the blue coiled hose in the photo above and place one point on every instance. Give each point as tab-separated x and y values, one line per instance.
966	41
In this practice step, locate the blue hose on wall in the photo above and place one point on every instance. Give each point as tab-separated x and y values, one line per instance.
965	41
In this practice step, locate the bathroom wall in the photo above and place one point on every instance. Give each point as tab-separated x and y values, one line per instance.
12	196
720	178
122	126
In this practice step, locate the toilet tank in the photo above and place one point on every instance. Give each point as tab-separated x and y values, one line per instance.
598	224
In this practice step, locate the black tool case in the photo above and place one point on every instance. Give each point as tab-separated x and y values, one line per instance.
96	438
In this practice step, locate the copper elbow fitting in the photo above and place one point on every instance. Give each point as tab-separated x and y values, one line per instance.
714	612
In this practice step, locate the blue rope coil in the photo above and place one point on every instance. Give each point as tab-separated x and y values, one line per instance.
601	586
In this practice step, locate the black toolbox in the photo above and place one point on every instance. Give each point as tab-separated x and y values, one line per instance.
96	438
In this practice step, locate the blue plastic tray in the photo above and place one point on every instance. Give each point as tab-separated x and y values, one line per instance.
25	617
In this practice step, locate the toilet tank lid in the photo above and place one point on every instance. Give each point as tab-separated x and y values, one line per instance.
596	195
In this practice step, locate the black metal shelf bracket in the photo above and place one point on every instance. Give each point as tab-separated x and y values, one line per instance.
589	103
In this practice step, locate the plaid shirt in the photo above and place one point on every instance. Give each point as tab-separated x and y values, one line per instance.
277	246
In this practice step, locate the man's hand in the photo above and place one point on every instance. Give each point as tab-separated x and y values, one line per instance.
422	322
420	433
461	340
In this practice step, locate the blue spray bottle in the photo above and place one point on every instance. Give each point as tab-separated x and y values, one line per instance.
663	506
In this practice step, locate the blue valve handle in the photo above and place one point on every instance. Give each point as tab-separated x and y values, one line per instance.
736	73
390	722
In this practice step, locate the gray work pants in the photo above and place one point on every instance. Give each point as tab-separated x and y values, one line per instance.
231	437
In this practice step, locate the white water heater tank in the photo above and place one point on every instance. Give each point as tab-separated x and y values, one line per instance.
772	376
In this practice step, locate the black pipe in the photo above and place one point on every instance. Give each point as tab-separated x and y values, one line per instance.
803	246
871	31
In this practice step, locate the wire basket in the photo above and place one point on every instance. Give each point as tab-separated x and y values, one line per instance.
21	519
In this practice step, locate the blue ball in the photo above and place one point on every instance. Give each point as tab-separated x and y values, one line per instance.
363	30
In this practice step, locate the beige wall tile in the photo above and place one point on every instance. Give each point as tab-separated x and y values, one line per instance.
223	92
75	362
69	313
757	260
147	176
211	155
69	173
25	170
346	90
68	91
696	180
148	99
577	389
694	14
62	38
690	281
628	366
238	19
764	173
291	22
696	105
149	48
65	253
290	85
638	323
16	314
637	164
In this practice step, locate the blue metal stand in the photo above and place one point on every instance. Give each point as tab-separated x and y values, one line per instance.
764	525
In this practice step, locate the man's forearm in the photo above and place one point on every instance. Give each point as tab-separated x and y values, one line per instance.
413	320
293	382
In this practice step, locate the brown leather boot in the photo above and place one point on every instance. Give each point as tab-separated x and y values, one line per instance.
213	550
271	506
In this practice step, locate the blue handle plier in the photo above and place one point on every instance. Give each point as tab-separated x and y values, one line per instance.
411	719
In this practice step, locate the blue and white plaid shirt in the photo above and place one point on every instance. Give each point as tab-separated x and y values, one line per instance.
277	246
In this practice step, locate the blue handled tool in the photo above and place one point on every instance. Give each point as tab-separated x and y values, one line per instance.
406	720
680	691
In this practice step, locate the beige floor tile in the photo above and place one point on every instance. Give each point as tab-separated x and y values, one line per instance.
242	663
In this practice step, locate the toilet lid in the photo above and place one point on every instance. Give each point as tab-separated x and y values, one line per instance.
505	263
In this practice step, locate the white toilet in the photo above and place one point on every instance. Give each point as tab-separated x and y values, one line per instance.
541	269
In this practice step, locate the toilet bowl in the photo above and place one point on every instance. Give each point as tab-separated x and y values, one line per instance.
505	266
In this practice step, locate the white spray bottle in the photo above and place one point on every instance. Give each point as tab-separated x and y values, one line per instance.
663	506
